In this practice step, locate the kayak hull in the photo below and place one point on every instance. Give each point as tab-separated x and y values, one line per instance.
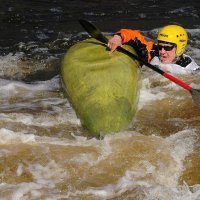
103	88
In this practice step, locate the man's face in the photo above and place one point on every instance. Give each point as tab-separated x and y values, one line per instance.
167	53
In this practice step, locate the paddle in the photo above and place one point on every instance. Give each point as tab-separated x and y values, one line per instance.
96	33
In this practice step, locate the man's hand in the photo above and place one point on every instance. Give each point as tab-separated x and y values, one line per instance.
114	42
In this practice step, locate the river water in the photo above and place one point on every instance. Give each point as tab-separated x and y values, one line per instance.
45	153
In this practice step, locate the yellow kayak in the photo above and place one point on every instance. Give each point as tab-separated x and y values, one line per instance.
103	88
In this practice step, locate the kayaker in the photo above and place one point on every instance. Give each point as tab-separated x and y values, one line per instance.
167	53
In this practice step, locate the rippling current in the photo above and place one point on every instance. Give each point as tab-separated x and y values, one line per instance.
45	153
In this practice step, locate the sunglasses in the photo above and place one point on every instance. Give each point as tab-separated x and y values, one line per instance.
166	48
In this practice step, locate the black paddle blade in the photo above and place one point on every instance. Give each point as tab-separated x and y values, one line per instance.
195	96
93	31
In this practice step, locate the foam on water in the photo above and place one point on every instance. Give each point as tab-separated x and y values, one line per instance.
10	87
165	180
157	179
9	137
8	63
146	93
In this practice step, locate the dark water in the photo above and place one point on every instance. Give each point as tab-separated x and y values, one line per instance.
45	152
45	21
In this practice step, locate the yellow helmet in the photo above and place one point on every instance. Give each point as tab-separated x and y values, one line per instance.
174	34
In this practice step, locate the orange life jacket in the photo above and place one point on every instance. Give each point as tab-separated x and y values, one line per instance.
129	34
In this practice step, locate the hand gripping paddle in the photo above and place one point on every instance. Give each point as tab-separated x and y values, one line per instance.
96	33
